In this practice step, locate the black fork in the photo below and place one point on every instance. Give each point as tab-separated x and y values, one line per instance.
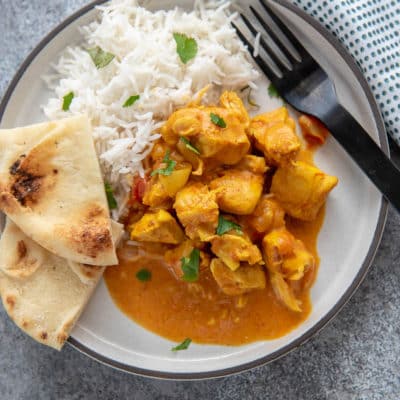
303	84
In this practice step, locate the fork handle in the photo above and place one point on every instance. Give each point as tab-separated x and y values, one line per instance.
365	152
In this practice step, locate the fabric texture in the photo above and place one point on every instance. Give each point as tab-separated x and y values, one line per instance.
370	30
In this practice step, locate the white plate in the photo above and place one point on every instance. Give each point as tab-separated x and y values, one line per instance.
353	225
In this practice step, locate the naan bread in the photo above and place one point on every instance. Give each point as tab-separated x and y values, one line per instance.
40	291
51	187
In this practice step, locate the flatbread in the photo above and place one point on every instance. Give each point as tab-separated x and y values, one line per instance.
40	291
51	187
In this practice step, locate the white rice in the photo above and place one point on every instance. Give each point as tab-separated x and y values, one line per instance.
146	63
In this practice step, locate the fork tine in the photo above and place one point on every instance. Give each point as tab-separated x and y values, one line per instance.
282	27
271	52
274	37
272	75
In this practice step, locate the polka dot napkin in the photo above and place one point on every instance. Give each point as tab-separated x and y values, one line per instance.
370	30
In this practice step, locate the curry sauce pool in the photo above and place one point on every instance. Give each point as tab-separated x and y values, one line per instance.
223	227
175	309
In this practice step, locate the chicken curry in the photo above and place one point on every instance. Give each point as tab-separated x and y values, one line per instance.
223	227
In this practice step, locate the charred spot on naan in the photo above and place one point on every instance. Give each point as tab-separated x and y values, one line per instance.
21	249
90	271
32	176
10	301
92	234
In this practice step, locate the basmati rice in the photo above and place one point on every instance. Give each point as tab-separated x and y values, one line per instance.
146	63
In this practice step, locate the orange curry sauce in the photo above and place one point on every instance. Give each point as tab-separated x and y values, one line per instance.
176	309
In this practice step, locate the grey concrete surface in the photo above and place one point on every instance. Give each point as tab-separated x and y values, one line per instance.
357	356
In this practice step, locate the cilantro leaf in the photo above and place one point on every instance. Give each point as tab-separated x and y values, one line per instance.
224	225
189	145
186	47
112	203
131	101
272	91
67	100
217	120
183	346
100	57
170	165
190	266
143	275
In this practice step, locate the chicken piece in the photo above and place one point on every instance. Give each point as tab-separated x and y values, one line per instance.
193	158
274	134
173	257
238	191
302	189
268	215
159	226
273	117
313	130
284	292
234	249
253	164
285	254
288	261
197	210
226	144
186	122
245	279
158	151
155	194
162	188
231	101
177	179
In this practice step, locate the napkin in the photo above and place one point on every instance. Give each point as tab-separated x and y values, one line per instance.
370	30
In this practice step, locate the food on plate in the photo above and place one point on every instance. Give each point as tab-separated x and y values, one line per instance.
244	279
59	235
159	226
221	208
40	291
274	134
135	67
313	130
51	186
302	189
222	235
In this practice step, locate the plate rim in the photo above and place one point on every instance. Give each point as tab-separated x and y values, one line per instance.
342	301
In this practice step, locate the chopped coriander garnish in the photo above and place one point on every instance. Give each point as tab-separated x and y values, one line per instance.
131	101
112	203
217	120
272	91
143	275
100	57
67	100
183	346
224	225
186	47
190	266
170	165
189	145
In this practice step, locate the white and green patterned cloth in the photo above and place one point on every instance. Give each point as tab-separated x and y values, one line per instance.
370	30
